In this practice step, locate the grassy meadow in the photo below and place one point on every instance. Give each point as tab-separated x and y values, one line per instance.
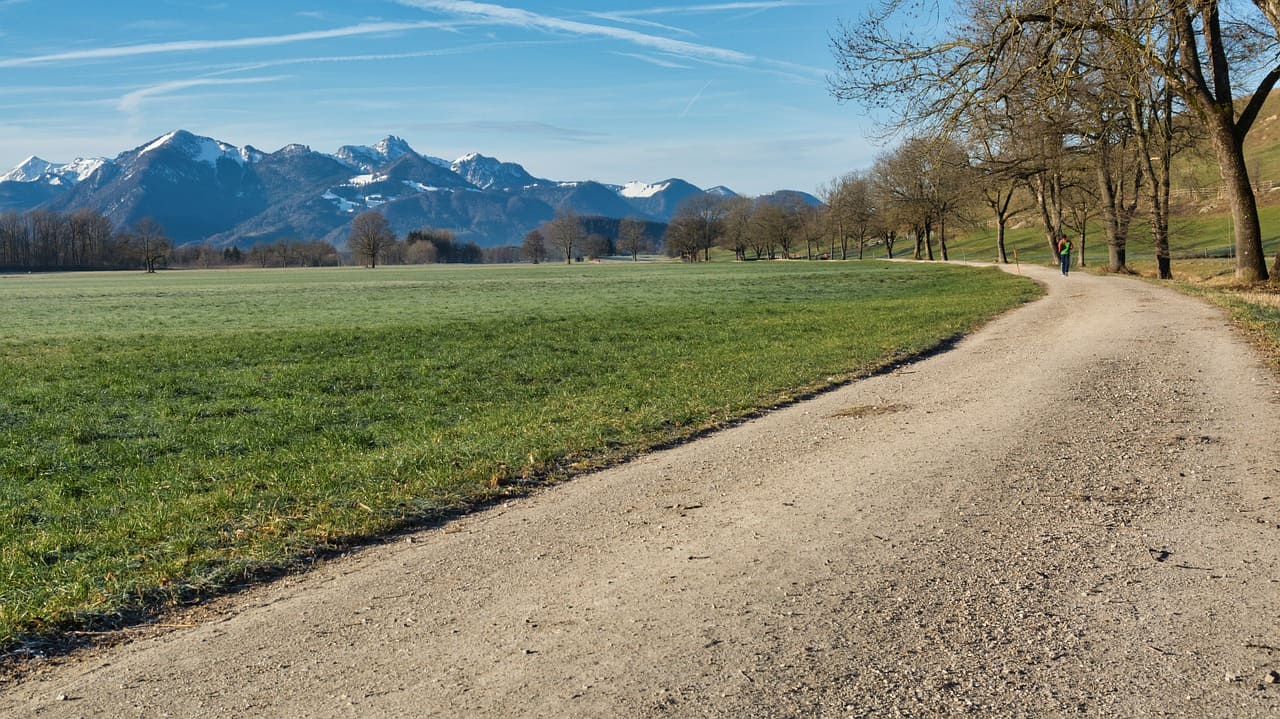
165	436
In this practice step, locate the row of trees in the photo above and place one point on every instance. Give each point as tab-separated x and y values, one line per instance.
372	241
1079	106
912	192
285	252
85	239
43	239
573	237
756	228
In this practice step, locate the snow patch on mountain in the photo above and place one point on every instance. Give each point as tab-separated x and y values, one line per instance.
421	187
363	180
81	168
344	205
636	190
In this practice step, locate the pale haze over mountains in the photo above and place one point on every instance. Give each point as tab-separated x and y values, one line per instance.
205	190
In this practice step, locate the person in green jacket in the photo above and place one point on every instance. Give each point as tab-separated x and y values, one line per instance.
1064	253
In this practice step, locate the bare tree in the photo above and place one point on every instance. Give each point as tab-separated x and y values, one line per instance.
1081	208
682	237
15	240
951	185
704	215
935	81
809	225
286	248
150	243
769	229
566	232
534	247
632	237
370	237
851	211
597	245
737	225
908	178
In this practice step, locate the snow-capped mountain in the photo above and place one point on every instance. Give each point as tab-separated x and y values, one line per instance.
659	199
368	158
488	173
34	169
202	149
205	190
193	186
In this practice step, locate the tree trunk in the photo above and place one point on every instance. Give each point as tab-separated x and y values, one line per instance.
1115	213
1251	263
1047	189
1116	257
1000	251
1215	107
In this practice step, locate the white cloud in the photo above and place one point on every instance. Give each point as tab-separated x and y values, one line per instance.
379	57
198	45
623	18
487	12
719	7
132	102
653	60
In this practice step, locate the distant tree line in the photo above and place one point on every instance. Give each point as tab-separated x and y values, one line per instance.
284	252
912	193
43	239
46	240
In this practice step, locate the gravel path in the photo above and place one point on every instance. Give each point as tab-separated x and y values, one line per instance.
1075	512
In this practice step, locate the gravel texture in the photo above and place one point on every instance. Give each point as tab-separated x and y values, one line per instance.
1074	512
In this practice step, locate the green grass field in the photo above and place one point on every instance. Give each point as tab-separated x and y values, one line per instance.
166	436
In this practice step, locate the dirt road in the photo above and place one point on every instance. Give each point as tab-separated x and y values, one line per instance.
1075	512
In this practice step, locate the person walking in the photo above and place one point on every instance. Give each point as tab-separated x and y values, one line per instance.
1064	253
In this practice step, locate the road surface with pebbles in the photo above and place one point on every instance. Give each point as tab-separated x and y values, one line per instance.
1073	512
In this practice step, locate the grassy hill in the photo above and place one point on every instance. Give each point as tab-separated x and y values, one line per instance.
1202	224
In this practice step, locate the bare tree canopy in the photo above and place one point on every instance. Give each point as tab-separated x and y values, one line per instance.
150	242
370	237
702	217
945	69
534	247
566	232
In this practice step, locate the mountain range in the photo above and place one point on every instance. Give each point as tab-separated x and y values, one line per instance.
204	190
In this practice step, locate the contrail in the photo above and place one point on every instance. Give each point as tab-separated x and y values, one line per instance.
696	98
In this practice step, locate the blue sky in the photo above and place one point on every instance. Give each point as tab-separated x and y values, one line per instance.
730	93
